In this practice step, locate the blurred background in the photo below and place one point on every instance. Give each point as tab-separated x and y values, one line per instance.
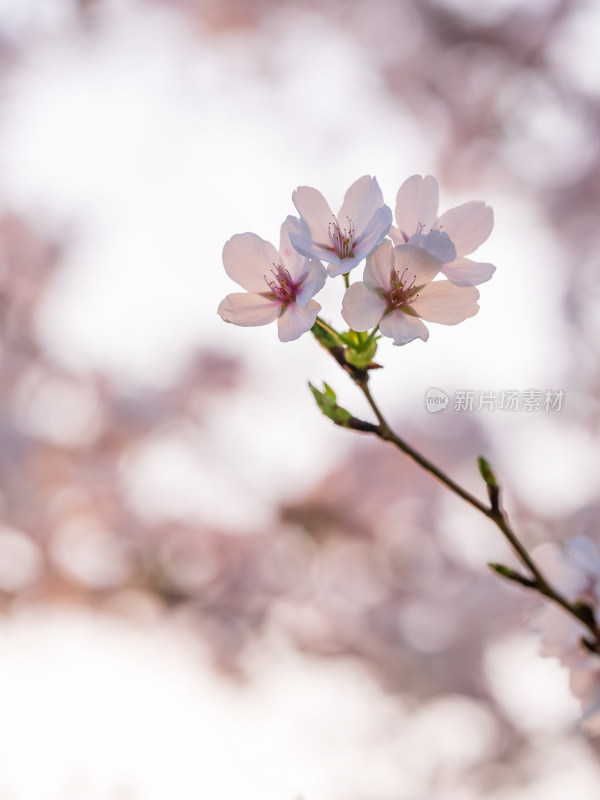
207	590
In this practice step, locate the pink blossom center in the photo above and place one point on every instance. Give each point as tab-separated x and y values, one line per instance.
342	239
402	290
282	287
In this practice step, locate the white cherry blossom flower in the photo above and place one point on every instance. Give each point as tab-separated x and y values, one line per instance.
279	286
575	571
397	293
343	240
451	237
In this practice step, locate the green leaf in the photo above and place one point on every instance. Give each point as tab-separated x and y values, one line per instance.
326	400
512	575
487	473
331	395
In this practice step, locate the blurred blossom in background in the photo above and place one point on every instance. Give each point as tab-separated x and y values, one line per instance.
199	598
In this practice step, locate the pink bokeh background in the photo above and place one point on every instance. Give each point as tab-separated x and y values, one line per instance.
206	588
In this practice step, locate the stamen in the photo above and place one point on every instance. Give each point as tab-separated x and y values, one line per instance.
282	286
401	291
342	240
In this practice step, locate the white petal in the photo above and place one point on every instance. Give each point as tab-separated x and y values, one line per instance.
286	251
248	309
446	303
296	320
468	225
311	274
396	236
416	264
379	267
403	328
361	202
289	257
417	205
374	233
309	249
248	259
464	272
438	243
361	308
301	240
315	211
341	266
313	280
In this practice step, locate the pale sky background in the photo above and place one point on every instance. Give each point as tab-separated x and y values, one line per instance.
151	147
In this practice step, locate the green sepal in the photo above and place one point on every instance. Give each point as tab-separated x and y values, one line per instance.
327	338
361	358
351	338
327	402
357	340
360	348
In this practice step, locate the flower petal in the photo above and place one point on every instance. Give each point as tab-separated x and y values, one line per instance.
296	320
342	266
396	235
362	308
417	264
313	280
446	303
403	328
374	233
289	256
416	205
303	243
379	267
310	274
361	201
248	309
438	243
248	259
315	211
468	225
464	272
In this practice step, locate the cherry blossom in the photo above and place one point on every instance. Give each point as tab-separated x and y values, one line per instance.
398	293
575	571
451	237
342	241
279	285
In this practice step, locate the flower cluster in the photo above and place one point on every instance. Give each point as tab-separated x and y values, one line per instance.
575	570
402	282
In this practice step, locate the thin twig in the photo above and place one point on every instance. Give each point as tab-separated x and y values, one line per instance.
493	512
